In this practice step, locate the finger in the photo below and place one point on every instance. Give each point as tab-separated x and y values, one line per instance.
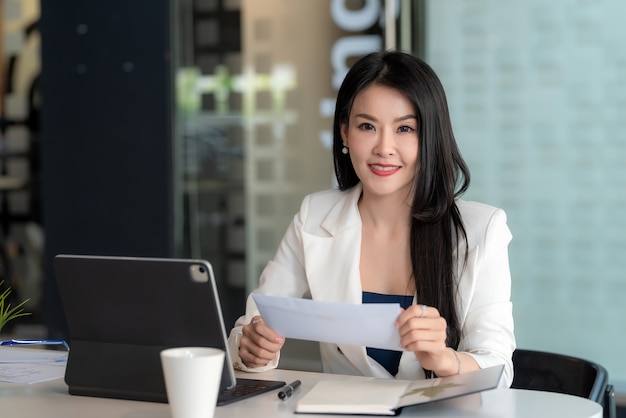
433	323
417	330
255	349
422	339
413	311
251	360
424	347
424	329
258	345
422	311
260	328
253	354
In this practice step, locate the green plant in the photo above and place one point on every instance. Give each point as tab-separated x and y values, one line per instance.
8	312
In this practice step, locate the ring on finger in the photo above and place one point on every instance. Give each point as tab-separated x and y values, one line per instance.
423	314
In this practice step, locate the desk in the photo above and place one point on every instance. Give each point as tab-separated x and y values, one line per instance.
51	400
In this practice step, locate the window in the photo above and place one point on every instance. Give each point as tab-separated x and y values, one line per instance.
537	96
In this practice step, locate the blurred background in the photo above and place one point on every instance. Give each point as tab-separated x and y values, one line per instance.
193	128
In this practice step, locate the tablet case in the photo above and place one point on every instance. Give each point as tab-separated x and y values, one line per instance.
122	312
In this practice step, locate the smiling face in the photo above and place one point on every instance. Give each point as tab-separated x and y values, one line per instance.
382	138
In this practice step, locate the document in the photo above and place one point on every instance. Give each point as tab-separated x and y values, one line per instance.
375	396
370	325
25	366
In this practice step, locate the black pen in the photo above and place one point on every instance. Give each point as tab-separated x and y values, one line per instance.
288	390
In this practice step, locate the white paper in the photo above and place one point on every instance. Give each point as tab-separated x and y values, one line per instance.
26	366
370	324
25	355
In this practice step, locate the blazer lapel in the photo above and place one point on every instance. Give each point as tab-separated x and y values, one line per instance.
332	261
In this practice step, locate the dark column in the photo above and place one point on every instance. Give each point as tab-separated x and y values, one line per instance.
106	133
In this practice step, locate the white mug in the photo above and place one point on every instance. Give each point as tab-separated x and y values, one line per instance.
192	380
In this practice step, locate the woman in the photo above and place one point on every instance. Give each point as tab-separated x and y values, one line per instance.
395	231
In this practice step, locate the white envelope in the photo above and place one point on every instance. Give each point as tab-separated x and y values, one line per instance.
370	324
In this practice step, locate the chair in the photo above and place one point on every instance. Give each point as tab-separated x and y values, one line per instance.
537	370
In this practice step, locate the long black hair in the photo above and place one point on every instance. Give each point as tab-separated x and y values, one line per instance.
441	174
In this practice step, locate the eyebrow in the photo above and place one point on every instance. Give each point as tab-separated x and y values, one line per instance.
372	118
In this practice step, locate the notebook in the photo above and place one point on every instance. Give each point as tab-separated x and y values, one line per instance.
378	396
122	311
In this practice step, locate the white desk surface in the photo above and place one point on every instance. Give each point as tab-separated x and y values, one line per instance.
51	400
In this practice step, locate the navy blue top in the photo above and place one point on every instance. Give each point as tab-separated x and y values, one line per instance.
389	359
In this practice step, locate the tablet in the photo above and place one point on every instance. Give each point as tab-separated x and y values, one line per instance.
123	311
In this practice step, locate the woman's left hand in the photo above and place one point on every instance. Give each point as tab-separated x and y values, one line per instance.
423	331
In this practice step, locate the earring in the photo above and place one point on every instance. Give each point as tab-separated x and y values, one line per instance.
344	150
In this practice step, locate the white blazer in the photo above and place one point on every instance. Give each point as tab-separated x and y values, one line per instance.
319	258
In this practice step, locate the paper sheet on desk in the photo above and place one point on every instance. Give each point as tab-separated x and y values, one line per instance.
371	324
26	366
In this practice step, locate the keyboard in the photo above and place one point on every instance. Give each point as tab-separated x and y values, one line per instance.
246	388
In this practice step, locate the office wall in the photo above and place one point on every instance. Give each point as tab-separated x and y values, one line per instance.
537	98
107	174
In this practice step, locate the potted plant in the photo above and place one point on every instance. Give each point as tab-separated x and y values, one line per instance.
7	311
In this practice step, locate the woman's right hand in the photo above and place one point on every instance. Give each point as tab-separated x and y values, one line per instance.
259	343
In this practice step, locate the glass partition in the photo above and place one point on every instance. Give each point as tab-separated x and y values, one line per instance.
256	89
537	100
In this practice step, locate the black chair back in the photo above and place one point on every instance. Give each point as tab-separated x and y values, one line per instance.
551	372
